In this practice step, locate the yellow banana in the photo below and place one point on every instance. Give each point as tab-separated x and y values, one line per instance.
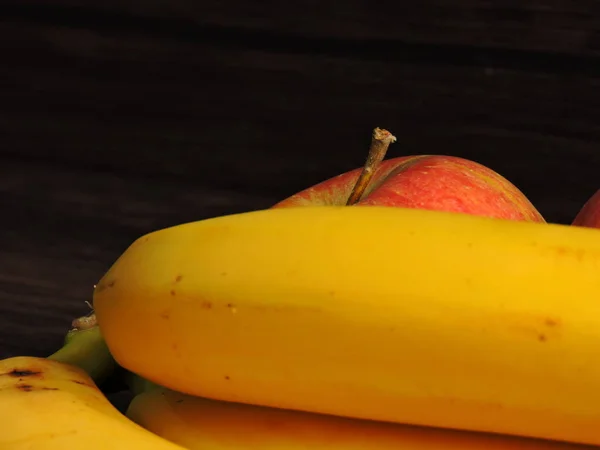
401	315
199	423
49	405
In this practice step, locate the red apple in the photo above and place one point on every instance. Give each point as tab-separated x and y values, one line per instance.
589	215
443	183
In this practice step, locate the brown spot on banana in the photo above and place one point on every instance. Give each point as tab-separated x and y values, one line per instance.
102	286
23	373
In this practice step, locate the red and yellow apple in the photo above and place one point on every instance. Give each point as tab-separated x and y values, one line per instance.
433	182
589	215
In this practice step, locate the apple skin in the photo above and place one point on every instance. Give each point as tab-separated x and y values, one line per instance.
434	182
589	215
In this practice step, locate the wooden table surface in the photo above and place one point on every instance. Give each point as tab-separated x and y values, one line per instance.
123	117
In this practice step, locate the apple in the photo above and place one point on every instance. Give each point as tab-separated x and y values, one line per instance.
435	182
589	215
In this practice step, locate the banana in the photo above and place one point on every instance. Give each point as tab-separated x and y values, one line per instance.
391	314
49	405
199	423
86	349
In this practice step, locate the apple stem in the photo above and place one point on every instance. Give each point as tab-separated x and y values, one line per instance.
380	142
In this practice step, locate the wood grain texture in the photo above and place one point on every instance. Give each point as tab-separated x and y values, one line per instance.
533	25
247	118
121	117
62	230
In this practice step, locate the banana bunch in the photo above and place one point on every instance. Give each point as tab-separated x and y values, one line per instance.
284	329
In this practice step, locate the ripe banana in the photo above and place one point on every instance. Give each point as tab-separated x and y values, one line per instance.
199	423
402	315
49	405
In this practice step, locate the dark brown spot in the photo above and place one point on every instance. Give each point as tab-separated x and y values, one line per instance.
146	239
25	387
551	322
21	373
227	377
206	304
165	314
174	346
178	278
230	305
49	389
179	401
103	286
542	337
172	292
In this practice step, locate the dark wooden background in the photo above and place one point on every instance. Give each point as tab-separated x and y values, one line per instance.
121	117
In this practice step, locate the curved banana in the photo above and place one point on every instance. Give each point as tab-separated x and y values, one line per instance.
199	423
49	405
401	315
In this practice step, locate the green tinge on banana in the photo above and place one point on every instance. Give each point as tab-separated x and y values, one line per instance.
138	385
87	350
